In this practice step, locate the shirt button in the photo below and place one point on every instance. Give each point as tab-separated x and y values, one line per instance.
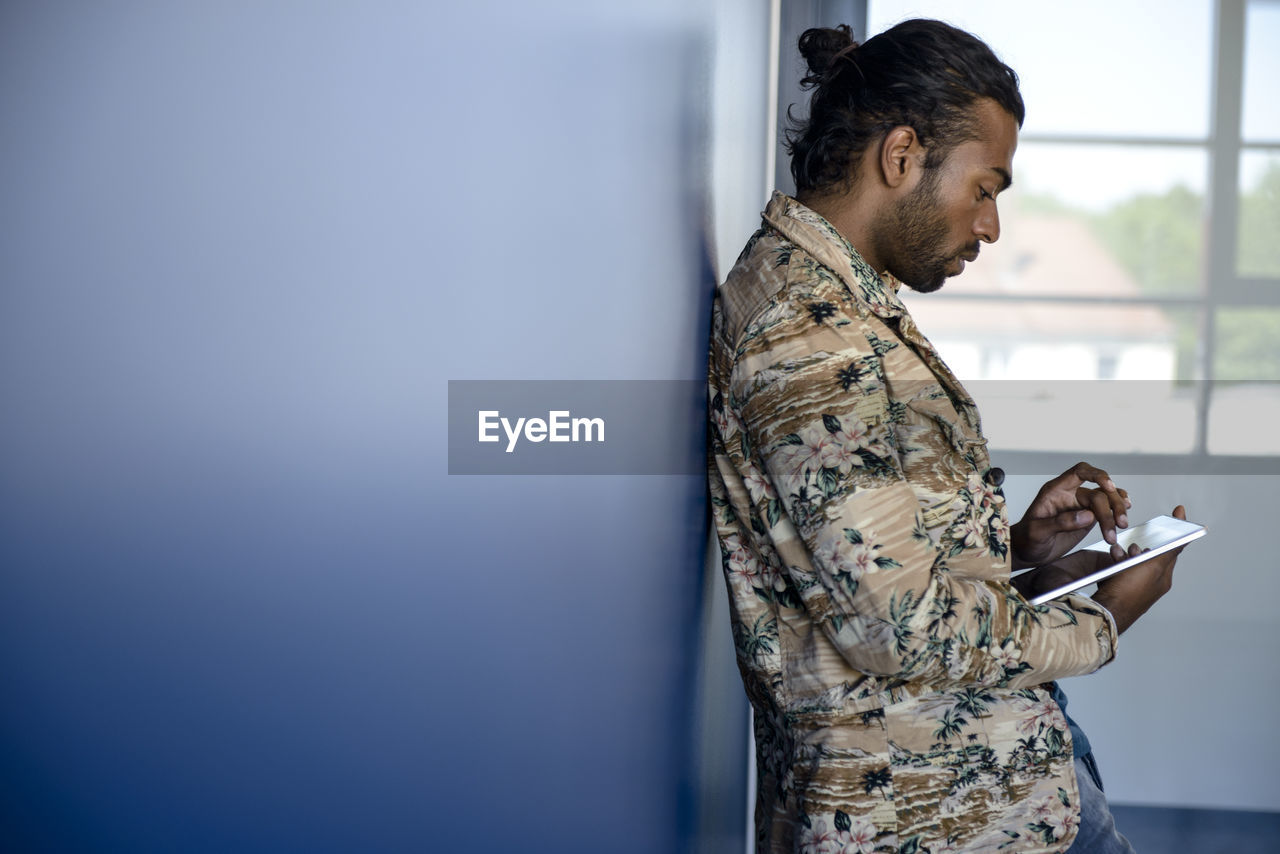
995	476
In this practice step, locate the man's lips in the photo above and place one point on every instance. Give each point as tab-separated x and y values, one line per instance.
962	258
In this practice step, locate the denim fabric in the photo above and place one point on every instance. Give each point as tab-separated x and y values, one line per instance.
1097	834
1079	741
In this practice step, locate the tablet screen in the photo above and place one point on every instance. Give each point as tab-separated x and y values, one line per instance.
1157	535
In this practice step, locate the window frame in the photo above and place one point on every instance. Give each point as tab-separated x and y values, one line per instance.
1222	286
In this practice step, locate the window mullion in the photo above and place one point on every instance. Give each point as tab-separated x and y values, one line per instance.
1224	191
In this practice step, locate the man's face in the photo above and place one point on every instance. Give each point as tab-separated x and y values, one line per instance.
938	226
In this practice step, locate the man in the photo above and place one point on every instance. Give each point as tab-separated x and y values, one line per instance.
901	683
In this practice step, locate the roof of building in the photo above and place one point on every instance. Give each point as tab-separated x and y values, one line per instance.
1041	255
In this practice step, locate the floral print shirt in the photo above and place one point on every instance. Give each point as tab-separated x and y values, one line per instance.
894	671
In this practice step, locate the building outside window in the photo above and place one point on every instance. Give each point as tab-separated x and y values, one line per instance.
1140	243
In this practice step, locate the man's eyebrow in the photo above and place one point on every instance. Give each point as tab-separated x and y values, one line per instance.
1005	178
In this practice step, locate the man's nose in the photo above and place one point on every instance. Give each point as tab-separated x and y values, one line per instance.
987	226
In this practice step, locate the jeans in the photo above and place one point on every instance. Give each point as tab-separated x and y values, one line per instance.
1097	834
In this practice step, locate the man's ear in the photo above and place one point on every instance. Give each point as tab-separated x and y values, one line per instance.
900	154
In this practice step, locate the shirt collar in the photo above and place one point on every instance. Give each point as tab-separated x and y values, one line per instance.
819	238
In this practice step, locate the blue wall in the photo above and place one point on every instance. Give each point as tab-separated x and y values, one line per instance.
243	247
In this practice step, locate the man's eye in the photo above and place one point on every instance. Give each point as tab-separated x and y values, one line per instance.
983	194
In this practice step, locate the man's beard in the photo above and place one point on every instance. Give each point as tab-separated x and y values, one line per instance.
917	230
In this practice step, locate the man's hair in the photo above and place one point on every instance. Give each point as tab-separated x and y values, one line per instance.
924	74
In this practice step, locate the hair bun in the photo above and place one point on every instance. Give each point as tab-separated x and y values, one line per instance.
821	46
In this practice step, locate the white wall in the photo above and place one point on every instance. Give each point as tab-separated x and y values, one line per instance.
1185	715
739	190
244	247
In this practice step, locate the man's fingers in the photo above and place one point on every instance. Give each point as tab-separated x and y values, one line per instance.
1104	511
1110	509
1179	512
1080	474
1085	473
1044	530
1069	520
1124	493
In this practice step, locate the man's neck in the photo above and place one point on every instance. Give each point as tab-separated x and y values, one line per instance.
851	215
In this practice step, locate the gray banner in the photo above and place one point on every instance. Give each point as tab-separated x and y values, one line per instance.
614	427
577	427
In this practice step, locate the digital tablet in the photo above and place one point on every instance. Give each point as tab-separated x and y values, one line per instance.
1158	536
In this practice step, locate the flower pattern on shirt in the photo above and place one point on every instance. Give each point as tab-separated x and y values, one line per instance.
893	669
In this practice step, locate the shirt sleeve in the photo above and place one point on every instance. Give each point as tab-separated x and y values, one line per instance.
903	590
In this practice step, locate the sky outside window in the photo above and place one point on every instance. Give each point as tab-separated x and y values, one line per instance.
1091	66
1261	118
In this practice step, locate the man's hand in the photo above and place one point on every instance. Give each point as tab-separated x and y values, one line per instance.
1063	512
1128	594
1053	575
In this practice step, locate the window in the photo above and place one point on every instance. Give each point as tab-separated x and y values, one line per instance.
1138	272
